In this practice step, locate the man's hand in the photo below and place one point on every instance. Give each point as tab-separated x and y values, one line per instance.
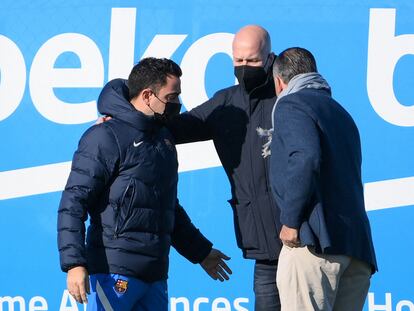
289	236
214	265
78	284
103	119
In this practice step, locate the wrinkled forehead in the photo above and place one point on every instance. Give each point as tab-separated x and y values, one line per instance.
247	53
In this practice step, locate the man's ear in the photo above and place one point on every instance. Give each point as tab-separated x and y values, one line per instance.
268	65
279	84
145	95
282	83
272	57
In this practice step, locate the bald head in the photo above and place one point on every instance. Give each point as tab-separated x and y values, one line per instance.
251	46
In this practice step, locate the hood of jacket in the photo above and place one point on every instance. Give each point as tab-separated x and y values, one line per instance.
113	101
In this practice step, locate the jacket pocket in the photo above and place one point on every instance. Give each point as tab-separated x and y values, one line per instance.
123	208
244	225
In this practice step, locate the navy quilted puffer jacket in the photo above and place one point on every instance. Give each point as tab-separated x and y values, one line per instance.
124	176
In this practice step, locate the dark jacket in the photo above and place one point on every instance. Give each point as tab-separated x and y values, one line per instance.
316	175
230	119
124	176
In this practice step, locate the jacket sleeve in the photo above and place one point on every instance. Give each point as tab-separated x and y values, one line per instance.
92	167
299	134
195	125
187	239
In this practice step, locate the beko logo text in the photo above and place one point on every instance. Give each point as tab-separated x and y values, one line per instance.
44	77
384	50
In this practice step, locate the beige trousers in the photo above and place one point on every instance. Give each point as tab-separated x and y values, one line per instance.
310	281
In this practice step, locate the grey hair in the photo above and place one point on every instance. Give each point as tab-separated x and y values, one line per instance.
293	61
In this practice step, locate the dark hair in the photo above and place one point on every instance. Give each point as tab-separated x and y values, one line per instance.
151	73
293	61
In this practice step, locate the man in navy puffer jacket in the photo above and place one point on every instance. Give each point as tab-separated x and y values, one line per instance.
230	119
124	176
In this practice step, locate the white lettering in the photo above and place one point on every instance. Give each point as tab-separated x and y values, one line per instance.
198	302
174	301
164	46
194	66
11	302
384	51
405	303
12	77
202	303
121	42
374	307
37	299
44	77
221	300
237	303
66	297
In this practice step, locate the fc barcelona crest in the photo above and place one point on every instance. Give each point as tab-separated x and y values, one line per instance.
121	286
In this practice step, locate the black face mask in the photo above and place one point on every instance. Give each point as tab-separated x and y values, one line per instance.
250	77
171	110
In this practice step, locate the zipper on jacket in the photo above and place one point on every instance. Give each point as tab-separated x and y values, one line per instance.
267	245
269	193
265	162
118	208
116	221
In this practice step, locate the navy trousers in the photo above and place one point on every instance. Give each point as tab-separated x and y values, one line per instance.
265	289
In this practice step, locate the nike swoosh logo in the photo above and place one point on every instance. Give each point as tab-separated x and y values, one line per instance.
137	144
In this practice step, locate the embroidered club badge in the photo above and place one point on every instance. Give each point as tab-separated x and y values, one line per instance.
121	286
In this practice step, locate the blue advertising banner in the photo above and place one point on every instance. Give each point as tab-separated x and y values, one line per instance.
55	57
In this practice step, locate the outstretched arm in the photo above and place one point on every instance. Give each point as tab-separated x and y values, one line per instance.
197	124
215	266
192	244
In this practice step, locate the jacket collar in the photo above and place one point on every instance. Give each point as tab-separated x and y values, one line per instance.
139	120
266	90
113	101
